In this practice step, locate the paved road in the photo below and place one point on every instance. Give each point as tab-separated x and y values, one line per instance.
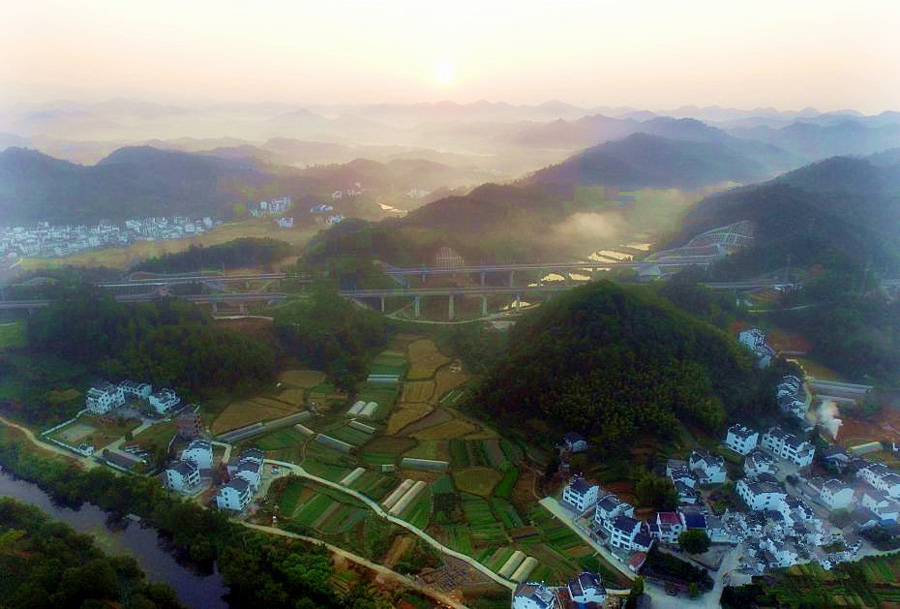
381	569
553	506
399	522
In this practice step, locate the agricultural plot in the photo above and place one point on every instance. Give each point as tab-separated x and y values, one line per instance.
246	412
350	435
158	434
418	512
405	414
455	428
282	438
507	513
424	359
446	380
389	364
375	485
302	379
435	450
418	391
457	537
477	480
12	335
384	395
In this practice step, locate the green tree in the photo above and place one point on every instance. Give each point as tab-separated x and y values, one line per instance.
694	541
637	589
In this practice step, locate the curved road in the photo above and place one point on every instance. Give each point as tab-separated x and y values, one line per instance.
401	523
403	579
84	461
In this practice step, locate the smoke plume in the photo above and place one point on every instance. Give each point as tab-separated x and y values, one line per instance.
826	417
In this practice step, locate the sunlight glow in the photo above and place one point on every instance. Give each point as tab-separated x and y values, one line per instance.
445	72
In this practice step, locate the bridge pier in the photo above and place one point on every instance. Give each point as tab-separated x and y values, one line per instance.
243	309
215	308
518	302
482	278
512	278
450	308
382	304
484	305
416	307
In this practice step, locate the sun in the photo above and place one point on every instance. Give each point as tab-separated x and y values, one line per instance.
445	72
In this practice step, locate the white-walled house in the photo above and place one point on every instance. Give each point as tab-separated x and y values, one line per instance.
532	595
102	398
609	507
236	495
249	467
760	495
623	531
752	338
788	446
574	442
709	469
182	475
836	495
138	390
164	400
882	478
668	527
758	462
580	494
881	504
587	587
741	439
199	452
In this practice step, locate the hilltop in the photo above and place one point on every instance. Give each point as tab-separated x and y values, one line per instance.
614	363
130	182
840	209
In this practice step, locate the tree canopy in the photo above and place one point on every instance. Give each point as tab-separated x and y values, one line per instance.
613	362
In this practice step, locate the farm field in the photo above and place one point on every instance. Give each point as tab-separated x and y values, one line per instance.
871	582
158	434
477	480
425	359
302	379
246	412
406	413
12	335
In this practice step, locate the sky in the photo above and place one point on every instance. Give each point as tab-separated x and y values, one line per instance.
788	54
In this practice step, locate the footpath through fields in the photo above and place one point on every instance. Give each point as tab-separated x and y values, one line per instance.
399	522
381	569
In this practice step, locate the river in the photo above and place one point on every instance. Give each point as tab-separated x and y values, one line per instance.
144	544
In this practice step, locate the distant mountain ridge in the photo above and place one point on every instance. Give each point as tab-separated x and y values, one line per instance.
131	182
650	161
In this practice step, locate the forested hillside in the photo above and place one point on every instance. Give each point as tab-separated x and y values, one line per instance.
47	564
614	363
246	252
167	342
840	213
327	332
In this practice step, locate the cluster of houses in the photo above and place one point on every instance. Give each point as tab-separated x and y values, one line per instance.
105	397
355	191
245	477
780	529
183	475
263	209
46	241
324	213
755	340
793	398
584	590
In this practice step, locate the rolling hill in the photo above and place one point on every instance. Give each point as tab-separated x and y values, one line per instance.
835	212
130	182
650	161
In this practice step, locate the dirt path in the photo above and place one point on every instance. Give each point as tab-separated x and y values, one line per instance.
82	461
398	521
381	569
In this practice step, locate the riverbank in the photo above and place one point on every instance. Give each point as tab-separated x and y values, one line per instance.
246	557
